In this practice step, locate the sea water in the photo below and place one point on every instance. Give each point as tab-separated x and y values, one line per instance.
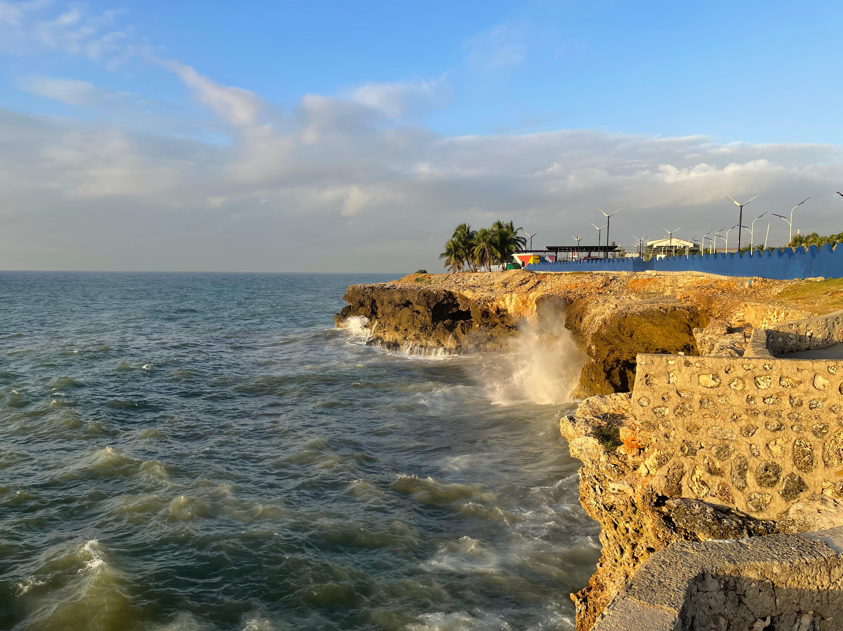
206	452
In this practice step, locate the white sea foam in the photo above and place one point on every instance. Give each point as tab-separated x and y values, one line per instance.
356	327
27	584
424	352
91	552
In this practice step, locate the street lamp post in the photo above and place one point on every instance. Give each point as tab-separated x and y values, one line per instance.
578	237
768	235
726	239
740	221
790	223
608	220
640	243
531	239
670	234
599	238
704	238
716	235
752	232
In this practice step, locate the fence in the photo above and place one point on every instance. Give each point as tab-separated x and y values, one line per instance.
784	264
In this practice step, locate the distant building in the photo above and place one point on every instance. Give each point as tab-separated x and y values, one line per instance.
663	247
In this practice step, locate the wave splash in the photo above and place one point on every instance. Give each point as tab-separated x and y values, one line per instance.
543	366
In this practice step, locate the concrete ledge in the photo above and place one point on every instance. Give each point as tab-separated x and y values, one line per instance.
773	582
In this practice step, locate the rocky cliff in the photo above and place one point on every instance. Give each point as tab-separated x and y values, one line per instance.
612	317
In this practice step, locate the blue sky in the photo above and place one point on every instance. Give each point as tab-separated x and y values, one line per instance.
225	128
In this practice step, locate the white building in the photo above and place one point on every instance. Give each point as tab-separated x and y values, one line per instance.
670	245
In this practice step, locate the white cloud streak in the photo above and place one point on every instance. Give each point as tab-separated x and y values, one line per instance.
500	48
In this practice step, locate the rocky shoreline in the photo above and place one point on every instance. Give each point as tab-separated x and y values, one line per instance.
686	451
612	317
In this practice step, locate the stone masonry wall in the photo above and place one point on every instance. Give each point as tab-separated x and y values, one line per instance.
803	335
754	433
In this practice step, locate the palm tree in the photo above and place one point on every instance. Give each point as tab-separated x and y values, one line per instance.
453	255
485	252
507	241
464	236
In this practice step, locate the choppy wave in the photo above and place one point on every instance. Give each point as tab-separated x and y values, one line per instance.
222	461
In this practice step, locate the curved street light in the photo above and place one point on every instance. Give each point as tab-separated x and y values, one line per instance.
670	234
705	236
727	236
752	232
790	223
716	235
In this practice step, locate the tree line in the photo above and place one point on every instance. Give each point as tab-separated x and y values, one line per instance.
478	249
804	241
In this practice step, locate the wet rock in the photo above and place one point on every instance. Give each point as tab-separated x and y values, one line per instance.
701	521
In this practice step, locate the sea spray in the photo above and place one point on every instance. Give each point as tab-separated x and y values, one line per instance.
542	367
357	327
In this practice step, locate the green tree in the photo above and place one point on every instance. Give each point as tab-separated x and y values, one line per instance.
815	239
485	252
464	237
506	241
453	255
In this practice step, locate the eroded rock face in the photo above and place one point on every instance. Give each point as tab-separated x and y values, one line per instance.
426	318
720	339
613	331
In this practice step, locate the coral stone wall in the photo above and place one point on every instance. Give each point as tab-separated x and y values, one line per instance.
803	335
754	433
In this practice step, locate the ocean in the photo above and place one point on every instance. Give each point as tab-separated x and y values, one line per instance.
207	452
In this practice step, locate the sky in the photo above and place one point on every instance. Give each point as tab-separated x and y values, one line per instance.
354	136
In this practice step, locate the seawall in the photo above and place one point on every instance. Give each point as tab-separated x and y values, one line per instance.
780	264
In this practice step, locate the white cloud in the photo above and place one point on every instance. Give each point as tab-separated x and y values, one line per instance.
236	106
71	91
500	48
24	30
403	98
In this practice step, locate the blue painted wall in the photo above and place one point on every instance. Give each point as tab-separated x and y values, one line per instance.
787	264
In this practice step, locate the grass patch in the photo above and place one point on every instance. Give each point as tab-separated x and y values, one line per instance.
608	436
817	296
